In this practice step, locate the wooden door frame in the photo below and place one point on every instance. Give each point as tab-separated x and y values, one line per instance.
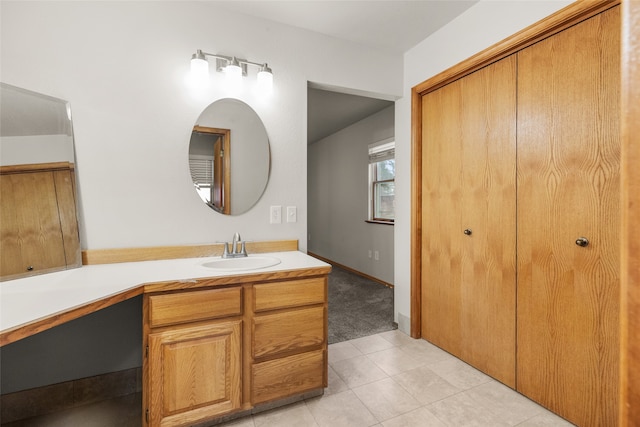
630	258
226	135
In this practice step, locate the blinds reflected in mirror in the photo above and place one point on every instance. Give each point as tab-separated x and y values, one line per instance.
202	176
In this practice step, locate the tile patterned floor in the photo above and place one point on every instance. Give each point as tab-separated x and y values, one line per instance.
391	380
383	380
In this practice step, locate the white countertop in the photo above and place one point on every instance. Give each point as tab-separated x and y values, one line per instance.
23	301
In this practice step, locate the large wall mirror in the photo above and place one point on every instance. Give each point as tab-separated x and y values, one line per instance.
229	157
38	213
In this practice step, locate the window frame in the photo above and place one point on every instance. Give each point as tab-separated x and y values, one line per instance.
379	152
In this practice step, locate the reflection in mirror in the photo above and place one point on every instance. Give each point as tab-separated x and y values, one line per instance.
35	128
209	161
38	214
229	157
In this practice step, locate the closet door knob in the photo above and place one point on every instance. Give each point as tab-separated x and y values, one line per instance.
467	231
30	268
582	242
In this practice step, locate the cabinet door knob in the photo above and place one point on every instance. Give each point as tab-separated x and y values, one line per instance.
30	268
467	231
582	242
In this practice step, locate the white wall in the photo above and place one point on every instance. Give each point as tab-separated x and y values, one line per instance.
122	66
338	198
481	26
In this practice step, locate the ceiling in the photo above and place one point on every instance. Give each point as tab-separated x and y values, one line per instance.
394	26
328	112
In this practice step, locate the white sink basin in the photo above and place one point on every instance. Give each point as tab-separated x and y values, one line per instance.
239	264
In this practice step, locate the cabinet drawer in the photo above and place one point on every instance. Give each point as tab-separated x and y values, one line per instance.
183	307
270	296
288	376
288	331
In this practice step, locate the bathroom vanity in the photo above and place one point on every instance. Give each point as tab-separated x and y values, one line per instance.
220	337
217	342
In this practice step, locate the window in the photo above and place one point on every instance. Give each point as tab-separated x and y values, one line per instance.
382	174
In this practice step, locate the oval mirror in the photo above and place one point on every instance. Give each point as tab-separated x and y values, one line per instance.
229	157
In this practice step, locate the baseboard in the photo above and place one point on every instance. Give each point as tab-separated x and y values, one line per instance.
351	270
57	397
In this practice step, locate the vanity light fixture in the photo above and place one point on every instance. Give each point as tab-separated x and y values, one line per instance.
233	67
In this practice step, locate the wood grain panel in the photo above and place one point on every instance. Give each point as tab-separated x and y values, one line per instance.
66	197
245	277
194	306
441	217
194	373
630	273
110	256
288	376
283	332
468	281
488	203
31	233
270	296
36	167
568	187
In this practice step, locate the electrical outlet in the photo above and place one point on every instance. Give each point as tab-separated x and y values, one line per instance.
376	255
275	217
292	214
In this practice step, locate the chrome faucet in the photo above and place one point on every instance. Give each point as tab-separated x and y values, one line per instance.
236	252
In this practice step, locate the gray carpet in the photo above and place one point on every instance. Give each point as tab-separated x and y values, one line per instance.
358	307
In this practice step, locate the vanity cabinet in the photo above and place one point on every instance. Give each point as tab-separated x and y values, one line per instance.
231	345
38	222
289	338
193	357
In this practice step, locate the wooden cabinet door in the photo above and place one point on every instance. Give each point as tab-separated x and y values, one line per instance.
468	281
568	188
194	373
31	230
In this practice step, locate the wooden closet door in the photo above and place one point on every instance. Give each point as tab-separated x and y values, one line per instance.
568	188
441	211
468	282
30	225
489	213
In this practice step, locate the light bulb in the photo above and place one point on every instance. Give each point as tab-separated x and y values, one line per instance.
265	80
233	72
199	68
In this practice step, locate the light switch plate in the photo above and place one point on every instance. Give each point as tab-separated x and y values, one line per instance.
292	214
